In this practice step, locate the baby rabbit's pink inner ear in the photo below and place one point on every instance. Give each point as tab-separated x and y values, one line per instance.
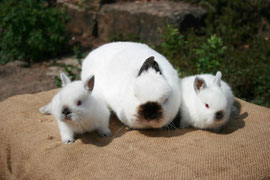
217	79
89	83
199	84
65	80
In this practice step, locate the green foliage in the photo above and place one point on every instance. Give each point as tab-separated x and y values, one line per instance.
210	55
239	48
173	42
31	30
177	49
244	27
72	71
78	55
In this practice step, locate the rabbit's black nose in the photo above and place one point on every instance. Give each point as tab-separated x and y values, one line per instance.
150	111
66	111
219	115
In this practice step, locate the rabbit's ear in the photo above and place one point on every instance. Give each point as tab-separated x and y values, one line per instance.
217	79
46	109
65	80
199	84
149	63
89	83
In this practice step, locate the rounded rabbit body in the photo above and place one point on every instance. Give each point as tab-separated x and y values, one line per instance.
138	83
207	101
77	110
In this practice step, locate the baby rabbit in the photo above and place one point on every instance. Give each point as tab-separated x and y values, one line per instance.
137	83
207	102
78	110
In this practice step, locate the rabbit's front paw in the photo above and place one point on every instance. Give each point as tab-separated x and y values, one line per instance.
67	140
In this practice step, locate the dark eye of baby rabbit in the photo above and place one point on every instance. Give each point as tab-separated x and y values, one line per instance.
79	103
207	106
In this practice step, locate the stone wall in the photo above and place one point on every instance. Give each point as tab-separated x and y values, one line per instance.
140	20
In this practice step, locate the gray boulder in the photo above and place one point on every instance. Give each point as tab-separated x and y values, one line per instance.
146	21
82	24
92	20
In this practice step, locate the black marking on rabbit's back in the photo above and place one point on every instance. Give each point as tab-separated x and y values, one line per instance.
149	63
150	111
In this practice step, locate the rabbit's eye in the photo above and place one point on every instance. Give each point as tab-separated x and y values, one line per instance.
207	106
79	103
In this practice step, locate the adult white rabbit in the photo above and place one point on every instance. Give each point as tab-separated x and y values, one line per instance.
78	110
207	102
137	82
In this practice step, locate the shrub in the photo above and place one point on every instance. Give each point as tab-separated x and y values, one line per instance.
210	55
30	30
246	69
244	27
173	42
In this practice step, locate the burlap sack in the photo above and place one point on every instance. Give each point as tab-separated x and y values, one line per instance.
30	148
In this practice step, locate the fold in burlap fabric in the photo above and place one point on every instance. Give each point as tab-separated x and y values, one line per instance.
30	148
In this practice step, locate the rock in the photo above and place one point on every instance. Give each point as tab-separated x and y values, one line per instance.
19	63
92	5
55	70
146	21
70	61
82	24
93	20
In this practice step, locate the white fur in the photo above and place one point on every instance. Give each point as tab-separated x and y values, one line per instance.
91	115
116	66
216	93
151	86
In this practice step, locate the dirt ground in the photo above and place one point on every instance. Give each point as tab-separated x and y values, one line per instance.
15	79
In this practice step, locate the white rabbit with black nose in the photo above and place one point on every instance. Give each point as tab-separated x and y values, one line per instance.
207	102
138	83
78	110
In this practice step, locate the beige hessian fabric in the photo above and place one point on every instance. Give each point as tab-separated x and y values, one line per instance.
30	148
